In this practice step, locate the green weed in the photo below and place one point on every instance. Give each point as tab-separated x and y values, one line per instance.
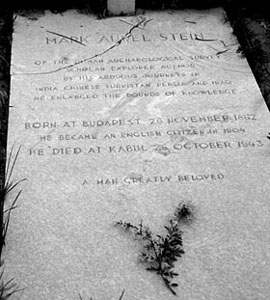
7	288
161	252
4	191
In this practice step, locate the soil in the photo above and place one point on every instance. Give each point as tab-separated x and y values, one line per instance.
251	27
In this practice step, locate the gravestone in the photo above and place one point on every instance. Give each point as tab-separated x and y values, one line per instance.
117	7
123	119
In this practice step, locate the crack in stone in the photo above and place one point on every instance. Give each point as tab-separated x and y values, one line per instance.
205	40
191	22
143	22
124	21
66	37
221	52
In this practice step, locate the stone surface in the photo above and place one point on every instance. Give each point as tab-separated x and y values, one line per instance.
122	119
117	7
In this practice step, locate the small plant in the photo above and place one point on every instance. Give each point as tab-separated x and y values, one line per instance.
8	288
4	191
184	213
160	252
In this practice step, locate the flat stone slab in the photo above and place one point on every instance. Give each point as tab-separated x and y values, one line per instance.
123	119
